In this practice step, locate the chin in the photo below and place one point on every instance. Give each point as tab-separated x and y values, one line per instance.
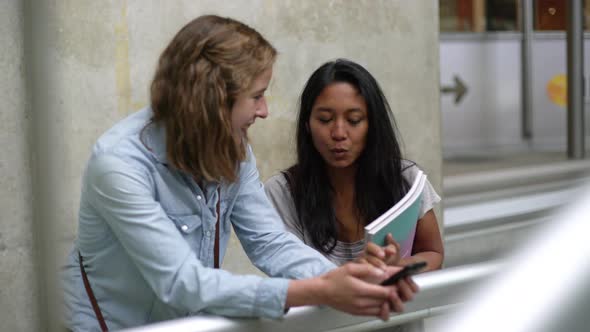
241	137
340	164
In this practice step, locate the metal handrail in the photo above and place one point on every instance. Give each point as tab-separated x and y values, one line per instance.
513	177
440	292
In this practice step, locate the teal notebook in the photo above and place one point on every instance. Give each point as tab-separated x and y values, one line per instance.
400	220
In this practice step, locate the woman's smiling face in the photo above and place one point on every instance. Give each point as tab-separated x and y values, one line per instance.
249	105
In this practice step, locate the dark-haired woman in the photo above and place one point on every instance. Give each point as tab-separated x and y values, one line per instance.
164	186
349	170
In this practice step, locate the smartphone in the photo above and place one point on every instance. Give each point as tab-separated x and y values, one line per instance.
406	271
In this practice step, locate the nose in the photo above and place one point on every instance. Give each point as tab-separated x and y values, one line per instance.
262	110
338	131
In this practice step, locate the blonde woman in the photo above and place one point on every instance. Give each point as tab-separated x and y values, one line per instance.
163	187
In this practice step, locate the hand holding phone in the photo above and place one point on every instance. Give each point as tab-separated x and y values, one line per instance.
408	270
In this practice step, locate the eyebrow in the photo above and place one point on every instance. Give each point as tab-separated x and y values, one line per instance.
259	91
327	109
323	109
354	110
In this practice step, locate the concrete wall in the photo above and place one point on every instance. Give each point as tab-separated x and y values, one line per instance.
18	288
91	63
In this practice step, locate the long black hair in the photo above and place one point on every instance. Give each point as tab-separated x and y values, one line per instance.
378	181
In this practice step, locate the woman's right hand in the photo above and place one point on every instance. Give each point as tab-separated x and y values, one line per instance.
354	288
381	256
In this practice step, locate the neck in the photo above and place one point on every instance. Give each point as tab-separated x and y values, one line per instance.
345	209
342	180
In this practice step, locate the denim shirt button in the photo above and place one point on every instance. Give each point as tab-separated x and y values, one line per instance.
208	233
184	228
199	197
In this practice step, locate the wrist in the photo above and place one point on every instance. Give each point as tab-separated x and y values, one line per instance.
410	260
305	292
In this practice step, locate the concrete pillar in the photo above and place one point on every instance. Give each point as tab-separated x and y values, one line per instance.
18	290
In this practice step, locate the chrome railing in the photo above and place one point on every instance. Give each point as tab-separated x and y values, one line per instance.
440	292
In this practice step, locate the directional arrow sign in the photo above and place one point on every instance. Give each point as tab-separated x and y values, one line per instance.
459	89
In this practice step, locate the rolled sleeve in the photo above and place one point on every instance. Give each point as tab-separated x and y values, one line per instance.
271	297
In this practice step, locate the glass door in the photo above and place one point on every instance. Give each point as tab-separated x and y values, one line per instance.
481	64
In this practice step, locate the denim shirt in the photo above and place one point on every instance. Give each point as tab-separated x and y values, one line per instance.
146	233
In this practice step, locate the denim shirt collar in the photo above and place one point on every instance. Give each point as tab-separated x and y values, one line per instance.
153	136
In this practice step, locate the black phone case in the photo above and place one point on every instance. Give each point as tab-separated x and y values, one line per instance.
406	271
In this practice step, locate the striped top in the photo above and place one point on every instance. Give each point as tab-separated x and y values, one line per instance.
346	251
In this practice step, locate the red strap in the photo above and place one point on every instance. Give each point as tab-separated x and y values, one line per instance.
97	313
217	226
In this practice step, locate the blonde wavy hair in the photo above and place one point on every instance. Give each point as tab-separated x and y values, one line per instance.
199	75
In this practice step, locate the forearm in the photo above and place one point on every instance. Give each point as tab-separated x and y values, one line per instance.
428	244
304	292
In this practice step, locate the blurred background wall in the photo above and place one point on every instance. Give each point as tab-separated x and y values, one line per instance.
71	69
18	282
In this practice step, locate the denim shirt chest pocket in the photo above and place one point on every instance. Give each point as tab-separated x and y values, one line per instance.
190	228
180	204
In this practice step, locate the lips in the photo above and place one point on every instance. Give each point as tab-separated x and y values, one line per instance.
338	150
339	153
